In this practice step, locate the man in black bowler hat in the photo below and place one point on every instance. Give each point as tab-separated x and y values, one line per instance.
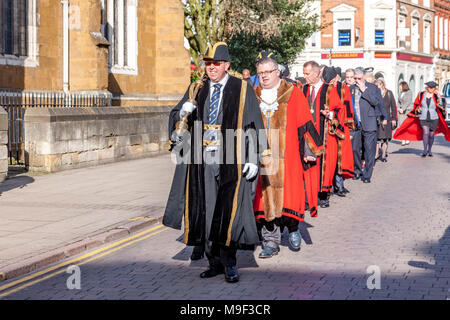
215	193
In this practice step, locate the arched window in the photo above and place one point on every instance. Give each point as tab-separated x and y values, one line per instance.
400	79
421	83
412	85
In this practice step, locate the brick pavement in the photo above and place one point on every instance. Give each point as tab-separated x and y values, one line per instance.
399	223
40	213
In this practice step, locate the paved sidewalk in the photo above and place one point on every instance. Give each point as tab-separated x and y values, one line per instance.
45	216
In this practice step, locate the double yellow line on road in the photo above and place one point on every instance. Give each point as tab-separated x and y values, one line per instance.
25	282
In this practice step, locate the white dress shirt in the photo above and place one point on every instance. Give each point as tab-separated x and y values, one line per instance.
223	82
316	88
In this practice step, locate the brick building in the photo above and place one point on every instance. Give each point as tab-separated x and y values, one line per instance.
392	36
442	40
130	50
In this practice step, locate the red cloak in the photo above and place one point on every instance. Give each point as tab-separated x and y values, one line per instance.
345	165
330	132
411	128
282	181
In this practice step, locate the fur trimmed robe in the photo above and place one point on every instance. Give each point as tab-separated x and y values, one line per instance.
330	132
281	184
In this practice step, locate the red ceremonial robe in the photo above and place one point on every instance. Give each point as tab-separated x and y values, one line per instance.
330	132
345	165
411	128
282	183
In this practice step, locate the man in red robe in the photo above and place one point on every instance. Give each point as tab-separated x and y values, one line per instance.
294	145
323	101
345	164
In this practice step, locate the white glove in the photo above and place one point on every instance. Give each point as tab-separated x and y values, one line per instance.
251	170
187	109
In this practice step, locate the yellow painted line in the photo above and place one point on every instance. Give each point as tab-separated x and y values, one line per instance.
11	284
140	218
79	264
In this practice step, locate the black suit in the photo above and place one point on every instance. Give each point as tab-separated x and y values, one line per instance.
370	107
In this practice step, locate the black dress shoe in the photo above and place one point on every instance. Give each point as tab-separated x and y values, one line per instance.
430	154
346	190
423	155
383	160
340	192
366	180
231	275
324	203
198	253
210	273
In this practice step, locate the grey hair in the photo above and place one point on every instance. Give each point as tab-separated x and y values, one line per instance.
360	70
350	70
268	60
314	65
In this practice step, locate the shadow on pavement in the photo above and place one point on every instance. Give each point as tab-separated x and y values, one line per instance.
14	183
440	253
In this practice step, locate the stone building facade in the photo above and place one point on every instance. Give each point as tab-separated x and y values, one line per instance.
442	40
392	36
131	50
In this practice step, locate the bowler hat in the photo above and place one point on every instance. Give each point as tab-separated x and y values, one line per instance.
328	74
431	84
218	52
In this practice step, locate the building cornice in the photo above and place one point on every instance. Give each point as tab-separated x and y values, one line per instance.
416	5
442	6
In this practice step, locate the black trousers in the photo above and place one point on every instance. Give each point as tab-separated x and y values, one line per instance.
219	256
368	140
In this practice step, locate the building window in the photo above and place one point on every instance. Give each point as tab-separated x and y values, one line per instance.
400	80
412	85
18	32
379	31
426	37
436	30
446	34
120	28
441	32
344	32
415	34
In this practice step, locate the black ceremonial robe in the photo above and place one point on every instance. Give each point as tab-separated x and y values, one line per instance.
233	222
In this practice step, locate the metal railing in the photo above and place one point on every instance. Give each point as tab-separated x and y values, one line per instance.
15	102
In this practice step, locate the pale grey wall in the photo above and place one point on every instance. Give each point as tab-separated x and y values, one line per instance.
3	144
64	138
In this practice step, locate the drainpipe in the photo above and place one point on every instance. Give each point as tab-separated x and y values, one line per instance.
65	4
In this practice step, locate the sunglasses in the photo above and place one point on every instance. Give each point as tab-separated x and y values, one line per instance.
215	63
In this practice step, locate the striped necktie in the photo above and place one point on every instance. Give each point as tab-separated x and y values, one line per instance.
214	104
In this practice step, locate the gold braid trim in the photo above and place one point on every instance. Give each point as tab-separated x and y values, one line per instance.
238	157
186	209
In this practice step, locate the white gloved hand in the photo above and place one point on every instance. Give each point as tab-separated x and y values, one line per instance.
251	170
187	109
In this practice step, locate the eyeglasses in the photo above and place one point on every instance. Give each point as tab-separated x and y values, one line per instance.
266	73
215	63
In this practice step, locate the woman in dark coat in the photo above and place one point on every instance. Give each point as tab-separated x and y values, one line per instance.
385	132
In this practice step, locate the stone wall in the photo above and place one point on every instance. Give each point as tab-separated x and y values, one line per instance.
64	138
3	144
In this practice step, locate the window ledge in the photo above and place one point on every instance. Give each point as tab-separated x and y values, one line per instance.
123	70
11	60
